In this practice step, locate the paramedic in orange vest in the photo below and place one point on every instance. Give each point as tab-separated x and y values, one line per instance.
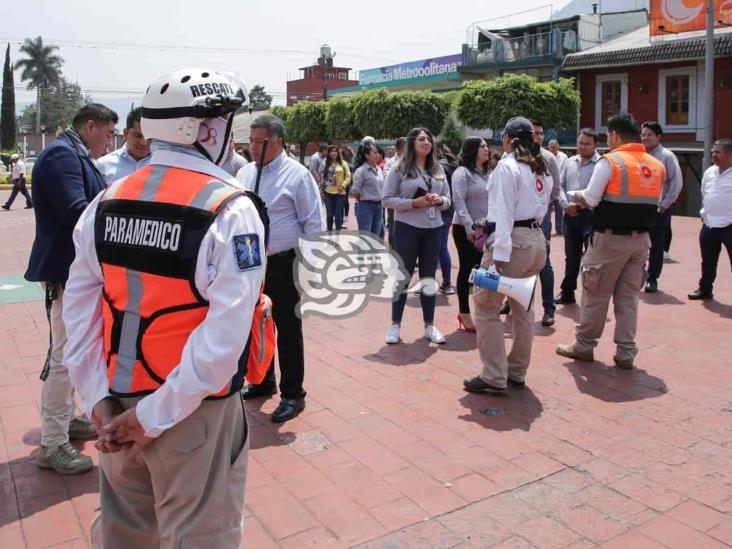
624	191
158	307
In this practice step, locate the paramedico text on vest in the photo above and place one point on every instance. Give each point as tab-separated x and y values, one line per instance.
148	231
631	197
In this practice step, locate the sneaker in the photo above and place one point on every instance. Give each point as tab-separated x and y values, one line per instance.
392	336
434	335
570	351
667	256
5	207
64	459
651	286
81	428
447	289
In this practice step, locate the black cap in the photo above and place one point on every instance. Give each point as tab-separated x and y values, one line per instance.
520	127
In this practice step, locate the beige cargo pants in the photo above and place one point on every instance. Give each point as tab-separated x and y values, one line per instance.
613	267
189	489
528	257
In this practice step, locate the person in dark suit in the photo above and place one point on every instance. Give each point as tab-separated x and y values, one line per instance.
65	180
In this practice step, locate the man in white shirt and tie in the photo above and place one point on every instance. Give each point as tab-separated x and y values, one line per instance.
716	213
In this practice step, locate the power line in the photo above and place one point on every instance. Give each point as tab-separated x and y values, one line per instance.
172	48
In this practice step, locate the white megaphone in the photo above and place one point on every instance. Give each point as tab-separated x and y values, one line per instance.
520	289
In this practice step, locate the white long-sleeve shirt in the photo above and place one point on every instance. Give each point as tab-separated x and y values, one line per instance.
210	355
515	193
716	191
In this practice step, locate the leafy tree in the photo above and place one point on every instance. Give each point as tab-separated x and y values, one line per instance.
7	115
490	104
452	135
259	99
280	112
41	69
306	123
406	110
340	122
387	115
369	110
60	103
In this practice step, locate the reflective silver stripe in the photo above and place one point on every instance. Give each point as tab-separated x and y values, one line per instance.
623	175
112	189
624	196
213	193
152	183
122	381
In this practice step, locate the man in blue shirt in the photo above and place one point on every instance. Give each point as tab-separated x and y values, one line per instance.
132	156
65	180
295	209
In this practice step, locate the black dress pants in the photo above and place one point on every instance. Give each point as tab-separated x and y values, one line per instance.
658	243
711	242
577	230
279	285
19	187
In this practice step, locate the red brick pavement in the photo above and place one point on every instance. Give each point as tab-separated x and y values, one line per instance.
392	453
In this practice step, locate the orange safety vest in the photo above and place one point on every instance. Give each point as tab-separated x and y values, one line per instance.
148	231
633	192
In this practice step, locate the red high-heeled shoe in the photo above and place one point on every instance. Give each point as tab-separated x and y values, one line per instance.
461	324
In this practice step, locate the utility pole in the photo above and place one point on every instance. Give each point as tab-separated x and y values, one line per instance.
709	88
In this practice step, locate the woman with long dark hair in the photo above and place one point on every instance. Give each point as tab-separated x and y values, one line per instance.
368	186
417	190
518	198
470	199
333	178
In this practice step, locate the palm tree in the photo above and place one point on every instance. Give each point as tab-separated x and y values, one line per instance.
41	69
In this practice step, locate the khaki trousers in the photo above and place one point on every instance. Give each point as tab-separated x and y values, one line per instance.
188	492
613	266
57	394
528	257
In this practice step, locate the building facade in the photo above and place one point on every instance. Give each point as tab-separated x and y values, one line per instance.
662	79
319	80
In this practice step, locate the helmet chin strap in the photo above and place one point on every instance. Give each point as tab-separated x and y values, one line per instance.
214	135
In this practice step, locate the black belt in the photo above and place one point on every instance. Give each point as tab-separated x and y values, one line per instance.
370	201
489	227
621	232
282	255
528	223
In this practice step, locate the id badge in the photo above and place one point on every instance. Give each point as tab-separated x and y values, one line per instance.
433	212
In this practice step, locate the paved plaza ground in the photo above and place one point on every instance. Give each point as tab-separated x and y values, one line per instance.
392	453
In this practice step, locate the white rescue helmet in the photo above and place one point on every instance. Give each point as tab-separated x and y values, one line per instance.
176	104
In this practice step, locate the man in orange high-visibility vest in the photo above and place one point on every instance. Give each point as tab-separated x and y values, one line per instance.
624	191
158	307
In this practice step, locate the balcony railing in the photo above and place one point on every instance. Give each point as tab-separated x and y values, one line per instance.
499	50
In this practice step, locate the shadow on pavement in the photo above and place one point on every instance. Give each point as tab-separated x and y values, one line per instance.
725	311
660	298
571	312
612	384
28	490
460	341
404	353
517	409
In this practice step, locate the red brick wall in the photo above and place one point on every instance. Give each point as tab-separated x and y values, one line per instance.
644	104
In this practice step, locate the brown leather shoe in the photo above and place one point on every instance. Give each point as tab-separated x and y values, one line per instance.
571	352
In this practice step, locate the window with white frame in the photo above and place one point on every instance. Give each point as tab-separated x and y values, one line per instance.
677	99
611	97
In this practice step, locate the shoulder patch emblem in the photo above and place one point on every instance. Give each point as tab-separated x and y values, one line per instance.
247	251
